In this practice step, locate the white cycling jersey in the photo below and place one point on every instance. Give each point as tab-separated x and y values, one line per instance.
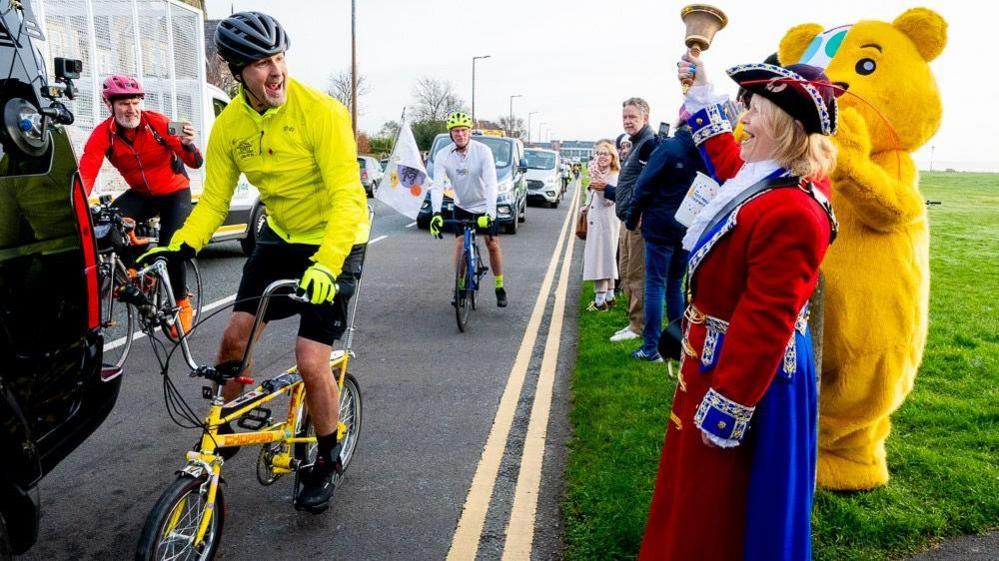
472	174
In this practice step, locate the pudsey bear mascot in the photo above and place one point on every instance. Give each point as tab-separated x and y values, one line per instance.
877	272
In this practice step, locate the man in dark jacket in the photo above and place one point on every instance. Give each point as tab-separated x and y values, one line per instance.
631	259
658	193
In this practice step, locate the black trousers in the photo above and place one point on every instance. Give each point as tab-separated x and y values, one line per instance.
173	210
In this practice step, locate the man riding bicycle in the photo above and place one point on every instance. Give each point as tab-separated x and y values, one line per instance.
470	168
151	161
296	146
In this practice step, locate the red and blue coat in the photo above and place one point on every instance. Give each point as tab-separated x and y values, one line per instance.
747	379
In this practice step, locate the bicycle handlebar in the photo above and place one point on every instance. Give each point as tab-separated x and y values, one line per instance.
231	371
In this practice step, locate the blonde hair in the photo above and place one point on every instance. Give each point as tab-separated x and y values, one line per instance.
615	164
803	154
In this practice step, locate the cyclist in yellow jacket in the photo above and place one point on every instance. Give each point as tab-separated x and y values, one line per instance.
296	146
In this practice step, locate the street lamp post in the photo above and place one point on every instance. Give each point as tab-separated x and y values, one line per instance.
510	124
353	66
529	115
475	58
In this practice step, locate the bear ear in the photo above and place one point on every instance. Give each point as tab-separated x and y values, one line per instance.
796	41
927	30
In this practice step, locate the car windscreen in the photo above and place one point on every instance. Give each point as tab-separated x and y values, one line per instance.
540	160
361	162
499	147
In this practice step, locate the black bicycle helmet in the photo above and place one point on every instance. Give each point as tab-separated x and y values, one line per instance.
247	37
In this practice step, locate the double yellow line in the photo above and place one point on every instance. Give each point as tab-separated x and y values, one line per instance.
520	528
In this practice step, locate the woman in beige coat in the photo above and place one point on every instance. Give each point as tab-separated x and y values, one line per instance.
600	255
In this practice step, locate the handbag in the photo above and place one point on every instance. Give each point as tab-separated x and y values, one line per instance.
670	343
582	224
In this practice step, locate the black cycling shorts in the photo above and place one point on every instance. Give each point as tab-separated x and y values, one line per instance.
461	214
275	259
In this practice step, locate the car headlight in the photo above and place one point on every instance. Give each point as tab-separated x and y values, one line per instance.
504	186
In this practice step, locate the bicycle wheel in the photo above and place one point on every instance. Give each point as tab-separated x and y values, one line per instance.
194	292
117	317
350	416
171	526
462	290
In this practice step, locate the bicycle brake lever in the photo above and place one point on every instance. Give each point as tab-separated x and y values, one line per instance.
300	296
203	372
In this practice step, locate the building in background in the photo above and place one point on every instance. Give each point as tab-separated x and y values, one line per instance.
158	41
581	149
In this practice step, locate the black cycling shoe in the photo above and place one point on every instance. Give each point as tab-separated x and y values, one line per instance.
501	297
317	484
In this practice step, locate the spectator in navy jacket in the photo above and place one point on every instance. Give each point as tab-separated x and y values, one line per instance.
658	193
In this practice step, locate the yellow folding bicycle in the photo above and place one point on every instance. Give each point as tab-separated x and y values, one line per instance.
187	521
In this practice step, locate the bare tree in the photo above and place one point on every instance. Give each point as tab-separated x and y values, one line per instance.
389	129
339	88
515	128
435	99
216	70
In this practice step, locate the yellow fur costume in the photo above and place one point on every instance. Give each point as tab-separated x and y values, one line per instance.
877	272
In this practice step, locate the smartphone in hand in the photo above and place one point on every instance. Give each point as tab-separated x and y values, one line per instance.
176	128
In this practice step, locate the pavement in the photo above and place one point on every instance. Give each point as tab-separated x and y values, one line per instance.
431	398
964	548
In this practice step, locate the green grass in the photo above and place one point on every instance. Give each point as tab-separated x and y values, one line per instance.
942	452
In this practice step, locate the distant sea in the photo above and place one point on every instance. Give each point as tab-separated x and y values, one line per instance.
943	165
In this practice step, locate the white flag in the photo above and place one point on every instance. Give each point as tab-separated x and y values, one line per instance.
405	183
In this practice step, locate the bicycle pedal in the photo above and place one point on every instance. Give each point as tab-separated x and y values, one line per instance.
255	419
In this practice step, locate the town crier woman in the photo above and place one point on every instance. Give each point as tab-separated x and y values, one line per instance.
737	471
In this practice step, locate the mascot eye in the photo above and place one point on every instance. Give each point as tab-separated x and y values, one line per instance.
866	66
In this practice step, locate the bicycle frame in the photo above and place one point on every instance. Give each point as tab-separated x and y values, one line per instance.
470	251
207	460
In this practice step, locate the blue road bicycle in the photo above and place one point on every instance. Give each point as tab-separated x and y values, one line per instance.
468	272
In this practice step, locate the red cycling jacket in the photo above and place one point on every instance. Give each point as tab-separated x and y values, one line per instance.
149	159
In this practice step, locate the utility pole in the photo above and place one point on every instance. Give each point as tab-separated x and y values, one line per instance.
475	124
932	150
353	66
510	124
529	115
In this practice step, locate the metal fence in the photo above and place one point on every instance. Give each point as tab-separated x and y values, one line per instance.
159	41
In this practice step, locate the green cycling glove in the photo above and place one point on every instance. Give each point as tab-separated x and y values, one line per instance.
485	221
322	281
175	251
436	225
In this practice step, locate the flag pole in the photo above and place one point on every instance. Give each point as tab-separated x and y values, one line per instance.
402	122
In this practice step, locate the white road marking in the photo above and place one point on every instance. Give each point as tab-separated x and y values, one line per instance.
208	307
465	542
376	240
411	224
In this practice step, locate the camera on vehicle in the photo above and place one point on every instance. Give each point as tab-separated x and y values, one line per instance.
68	68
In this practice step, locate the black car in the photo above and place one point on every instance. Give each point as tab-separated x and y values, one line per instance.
53	390
511	203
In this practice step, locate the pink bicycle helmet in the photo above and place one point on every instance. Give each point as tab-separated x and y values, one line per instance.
118	85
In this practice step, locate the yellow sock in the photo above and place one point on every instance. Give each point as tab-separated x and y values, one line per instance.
499	281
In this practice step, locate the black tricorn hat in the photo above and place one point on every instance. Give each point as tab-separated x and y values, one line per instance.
802	91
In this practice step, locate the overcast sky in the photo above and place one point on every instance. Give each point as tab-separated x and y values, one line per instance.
575	61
